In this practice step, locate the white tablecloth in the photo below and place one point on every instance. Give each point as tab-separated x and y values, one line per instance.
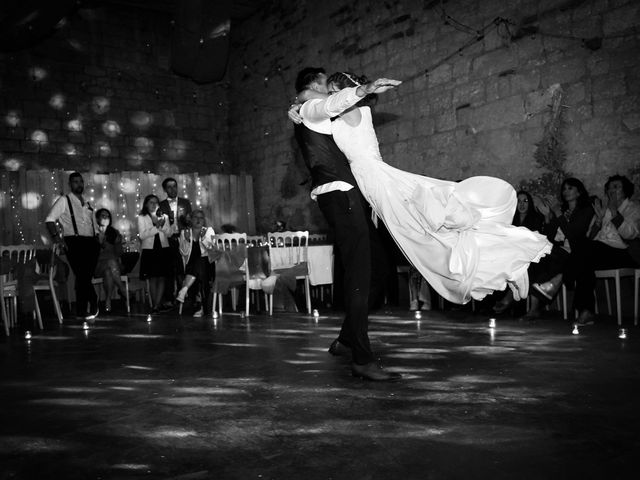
320	258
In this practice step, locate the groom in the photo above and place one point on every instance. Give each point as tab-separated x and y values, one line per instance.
343	207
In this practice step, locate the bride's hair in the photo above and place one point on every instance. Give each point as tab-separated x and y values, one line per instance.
347	79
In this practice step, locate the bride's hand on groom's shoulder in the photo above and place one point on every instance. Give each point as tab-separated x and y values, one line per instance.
294	113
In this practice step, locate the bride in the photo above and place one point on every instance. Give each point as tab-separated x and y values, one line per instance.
458	235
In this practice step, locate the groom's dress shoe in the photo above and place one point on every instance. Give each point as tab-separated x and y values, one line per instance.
547	289
338	349
374	372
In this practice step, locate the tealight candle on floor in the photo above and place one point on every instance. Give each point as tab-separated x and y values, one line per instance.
623	333
27	335
418	315
492	323
85	326
575	329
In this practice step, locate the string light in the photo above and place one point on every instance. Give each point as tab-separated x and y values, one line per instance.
18	223
198	191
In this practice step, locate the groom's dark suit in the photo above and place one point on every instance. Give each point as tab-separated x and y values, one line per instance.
345	212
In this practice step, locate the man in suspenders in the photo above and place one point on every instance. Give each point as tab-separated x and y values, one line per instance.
78	238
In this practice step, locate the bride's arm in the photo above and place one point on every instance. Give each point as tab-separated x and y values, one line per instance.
340	101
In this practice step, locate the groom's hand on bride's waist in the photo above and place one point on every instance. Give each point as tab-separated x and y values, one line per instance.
294	113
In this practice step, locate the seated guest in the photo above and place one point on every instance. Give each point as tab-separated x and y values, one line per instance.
615	245
526	213
567	232
528	216
194	245
156	261
109	265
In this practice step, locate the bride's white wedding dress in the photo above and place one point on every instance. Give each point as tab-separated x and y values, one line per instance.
458	235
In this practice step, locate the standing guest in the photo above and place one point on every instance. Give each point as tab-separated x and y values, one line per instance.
615	244
195	242
156	260
109	265
177	209
78	238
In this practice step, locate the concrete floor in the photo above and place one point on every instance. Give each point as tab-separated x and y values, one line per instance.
261	398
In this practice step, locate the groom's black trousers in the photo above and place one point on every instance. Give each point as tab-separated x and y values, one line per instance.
346	214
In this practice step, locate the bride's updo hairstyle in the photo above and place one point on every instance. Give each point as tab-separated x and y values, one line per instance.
347	79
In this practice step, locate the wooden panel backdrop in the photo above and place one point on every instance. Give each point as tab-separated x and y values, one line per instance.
26	196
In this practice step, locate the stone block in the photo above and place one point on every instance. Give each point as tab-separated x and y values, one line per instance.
598	63
502	143
472	93
630	140
494	62
602	107
621	19
610	85
446	121
424	126
442	74
566	71
632	121
601	127
574	94
505	112
525	82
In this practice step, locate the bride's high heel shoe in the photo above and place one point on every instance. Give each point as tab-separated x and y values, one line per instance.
520	287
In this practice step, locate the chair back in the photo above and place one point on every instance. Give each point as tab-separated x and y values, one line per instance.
15	254
50	268
317	238
18	253
295	243
229	241
255	240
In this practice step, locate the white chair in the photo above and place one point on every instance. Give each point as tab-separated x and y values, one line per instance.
255	240
296	244
228	241
49	284
318	238
97	281
9	285
616	274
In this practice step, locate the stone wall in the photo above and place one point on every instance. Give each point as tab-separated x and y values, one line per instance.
98	95
482	111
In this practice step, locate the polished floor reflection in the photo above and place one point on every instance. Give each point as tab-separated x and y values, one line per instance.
260	397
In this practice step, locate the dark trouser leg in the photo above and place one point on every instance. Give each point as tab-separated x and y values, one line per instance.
596	256
345	214
82	253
